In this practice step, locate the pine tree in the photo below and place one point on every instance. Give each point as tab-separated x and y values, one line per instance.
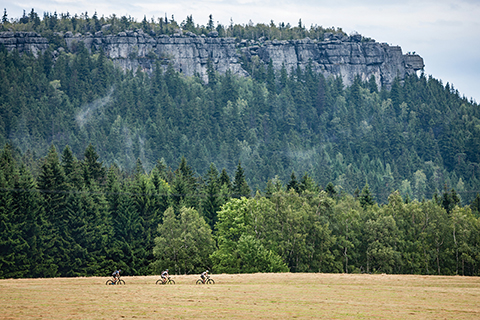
372	84
58	242
28	224
71	168
10	238
240	187
229	91
307	183
184	186
330	190
271	87
396	93
450	199
366	198
293	183
355	93
212	199
475	206
93	171
129	252
144	197
5	17
211	73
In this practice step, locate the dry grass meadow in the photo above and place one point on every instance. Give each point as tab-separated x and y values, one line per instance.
250	296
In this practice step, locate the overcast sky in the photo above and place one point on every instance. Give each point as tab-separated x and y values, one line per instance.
445	33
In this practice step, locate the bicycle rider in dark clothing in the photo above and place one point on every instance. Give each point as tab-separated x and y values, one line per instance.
116	275
164	275
204	276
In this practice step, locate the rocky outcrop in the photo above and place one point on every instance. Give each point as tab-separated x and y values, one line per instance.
188	53
342	56
337	55
24	42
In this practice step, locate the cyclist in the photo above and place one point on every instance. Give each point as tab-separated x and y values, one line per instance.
116	275
204	276
164	276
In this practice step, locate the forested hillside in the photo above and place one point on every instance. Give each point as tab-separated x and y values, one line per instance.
284	170
419	138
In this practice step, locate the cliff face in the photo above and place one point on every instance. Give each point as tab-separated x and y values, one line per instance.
23	42
335	56
347	56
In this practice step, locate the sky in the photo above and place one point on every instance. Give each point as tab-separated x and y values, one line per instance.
446	34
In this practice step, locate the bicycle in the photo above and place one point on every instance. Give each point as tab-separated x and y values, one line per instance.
113	282
165	281
208	280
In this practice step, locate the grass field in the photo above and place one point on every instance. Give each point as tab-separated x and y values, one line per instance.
251	296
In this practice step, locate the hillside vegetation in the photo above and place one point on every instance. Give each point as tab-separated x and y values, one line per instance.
285	170
52	23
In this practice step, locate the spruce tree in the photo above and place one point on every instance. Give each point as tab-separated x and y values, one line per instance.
293	183
366	198
475	206
93	171
28	223
184	186
211	196
58	241
240	187
9	236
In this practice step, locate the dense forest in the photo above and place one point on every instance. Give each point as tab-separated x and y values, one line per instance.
283	170
78	218
416	138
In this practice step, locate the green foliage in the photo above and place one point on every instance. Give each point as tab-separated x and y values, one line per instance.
214	196
184	243
381	234
63	223
271	124
239	250
99	206
240	187
366	198
51	24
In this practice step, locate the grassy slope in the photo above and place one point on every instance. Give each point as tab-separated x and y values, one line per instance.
261	296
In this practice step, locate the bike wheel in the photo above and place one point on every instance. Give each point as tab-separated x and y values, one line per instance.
210	281
109	282
121	282
159	281
199	281
171	281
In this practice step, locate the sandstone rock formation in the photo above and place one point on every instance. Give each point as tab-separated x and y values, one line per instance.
23	42
337	55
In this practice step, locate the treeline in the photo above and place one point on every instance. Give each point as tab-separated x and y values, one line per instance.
51	23
418	138
80	218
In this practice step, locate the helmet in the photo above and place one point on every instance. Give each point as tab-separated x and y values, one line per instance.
167	269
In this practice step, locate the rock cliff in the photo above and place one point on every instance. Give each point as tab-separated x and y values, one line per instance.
23	42
337	55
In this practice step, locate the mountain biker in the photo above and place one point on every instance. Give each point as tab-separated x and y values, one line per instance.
164	275
204	276
116	275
